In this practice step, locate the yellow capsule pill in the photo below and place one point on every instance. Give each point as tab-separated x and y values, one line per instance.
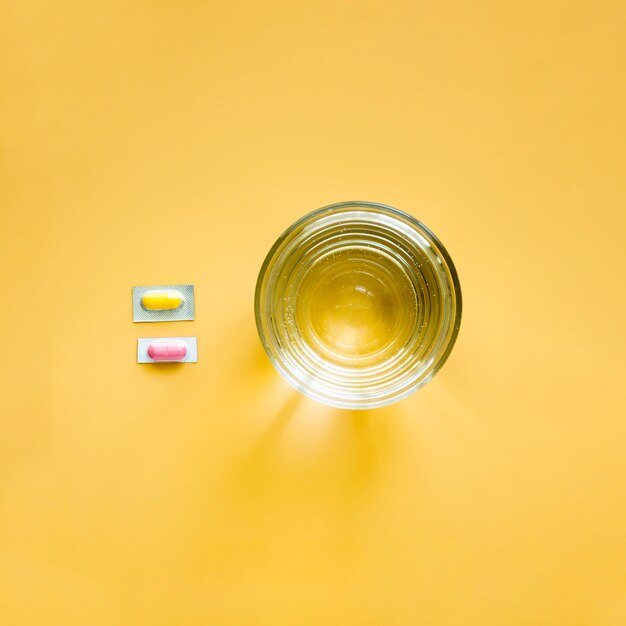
162	300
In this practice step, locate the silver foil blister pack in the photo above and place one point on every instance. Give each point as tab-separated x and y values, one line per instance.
163	303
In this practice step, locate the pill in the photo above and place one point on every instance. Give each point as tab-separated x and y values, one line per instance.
171	350
162	300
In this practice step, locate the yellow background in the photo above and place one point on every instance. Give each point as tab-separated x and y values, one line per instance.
166	141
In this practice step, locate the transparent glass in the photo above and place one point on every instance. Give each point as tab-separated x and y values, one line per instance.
358	305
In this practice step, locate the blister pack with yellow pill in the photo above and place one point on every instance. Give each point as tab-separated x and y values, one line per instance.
163	303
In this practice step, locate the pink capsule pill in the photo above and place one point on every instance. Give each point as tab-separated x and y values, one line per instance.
172	350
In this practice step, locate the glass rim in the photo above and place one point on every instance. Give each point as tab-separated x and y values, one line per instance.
374	207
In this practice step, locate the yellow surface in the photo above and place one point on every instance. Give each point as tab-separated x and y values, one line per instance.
149	142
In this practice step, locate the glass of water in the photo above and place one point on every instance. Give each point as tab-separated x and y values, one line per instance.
358	305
